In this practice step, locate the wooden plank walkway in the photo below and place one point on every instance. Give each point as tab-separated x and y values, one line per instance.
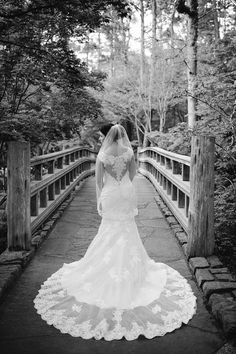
21	328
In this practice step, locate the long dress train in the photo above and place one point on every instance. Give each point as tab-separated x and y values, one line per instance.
116	290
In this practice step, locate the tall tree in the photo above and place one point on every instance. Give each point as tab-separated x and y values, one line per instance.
142	44
153	58
191	10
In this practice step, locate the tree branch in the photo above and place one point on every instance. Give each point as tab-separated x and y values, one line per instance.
208	104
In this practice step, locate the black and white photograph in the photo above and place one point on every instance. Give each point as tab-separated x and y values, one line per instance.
118	177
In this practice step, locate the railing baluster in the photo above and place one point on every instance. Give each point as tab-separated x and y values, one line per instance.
185	172
67	159
181	199
58	186
168	187
34	205
71	176
60	162
51	168
164	183
68	179
43	196
186	205
38	174
168	163
175	167
63	182
51	191
174	192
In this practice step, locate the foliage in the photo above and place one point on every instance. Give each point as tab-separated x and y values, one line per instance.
39	70
177	139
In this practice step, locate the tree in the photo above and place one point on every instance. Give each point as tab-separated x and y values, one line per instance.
192	13
37	59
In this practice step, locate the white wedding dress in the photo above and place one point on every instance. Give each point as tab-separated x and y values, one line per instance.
116	290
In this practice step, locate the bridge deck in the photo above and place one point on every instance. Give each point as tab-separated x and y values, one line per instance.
23	331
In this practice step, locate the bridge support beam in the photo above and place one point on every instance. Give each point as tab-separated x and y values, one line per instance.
201	207
18	200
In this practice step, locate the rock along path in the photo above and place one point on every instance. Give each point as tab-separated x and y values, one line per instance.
21	329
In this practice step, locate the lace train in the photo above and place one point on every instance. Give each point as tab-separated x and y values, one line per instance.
176	305
116	290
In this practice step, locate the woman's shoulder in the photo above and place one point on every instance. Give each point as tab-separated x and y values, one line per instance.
111	153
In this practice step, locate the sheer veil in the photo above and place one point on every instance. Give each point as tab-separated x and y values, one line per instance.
116	141
115	144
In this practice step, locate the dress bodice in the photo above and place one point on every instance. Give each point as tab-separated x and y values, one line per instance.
116	166
118	197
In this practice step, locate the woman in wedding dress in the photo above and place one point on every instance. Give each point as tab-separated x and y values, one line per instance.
116	290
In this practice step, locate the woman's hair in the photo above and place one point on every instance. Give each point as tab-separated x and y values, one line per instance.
105	128
118	132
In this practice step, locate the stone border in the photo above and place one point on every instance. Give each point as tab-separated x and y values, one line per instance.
216	282
12	264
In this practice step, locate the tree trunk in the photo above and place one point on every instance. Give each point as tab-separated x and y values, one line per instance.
125	44
99	49
191	10
137	130
192	61
142	59
216	23
153	62
162	121
112	52
87	51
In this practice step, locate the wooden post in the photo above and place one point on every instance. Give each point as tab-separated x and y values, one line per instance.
201	206
18	198
34	205
58	186
43	196
38	172
67	159
185	172
51	191
51	168
63	182
60	162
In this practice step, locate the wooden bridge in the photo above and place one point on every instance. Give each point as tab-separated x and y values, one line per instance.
38	186
185	184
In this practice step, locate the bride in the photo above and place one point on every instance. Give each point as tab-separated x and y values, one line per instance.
116	290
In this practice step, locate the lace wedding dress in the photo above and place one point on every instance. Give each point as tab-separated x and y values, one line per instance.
116	290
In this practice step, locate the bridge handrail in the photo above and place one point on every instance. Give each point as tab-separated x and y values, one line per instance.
41	183
67	169
49	157
186	184
169	173
169	154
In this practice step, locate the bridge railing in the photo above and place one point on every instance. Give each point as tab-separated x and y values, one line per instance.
64	170
186	184
170	174
37	186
